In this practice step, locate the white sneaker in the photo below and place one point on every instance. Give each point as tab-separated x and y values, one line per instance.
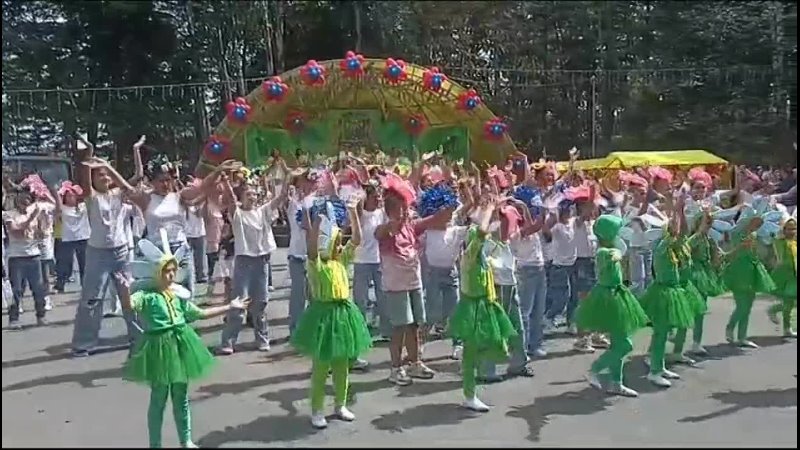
698	349
658	380
746	344
572	330
583	345
399	376
344	414
318	421
264	347
271	288
549	327
790	334
458	351
729	336
189	444
594	380
670	375
474	404
674	358
48	304
420	370
20	308
600	341
622	390
360	364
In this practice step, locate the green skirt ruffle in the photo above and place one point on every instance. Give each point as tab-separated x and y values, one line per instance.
175	355
667	306
331	330
484	325
707	280
745	274
696	299
610	310
785	280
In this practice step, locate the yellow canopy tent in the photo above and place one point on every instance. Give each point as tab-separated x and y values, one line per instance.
631	159
584	164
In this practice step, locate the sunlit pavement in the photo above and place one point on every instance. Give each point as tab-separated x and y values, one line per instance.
733	398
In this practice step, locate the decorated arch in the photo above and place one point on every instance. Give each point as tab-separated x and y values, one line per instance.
359	104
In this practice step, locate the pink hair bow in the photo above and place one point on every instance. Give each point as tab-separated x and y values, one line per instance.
68	187
661	173
394	184
698	175
37	187
499	177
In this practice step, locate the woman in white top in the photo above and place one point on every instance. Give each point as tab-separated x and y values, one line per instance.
253	243
74	216
196	233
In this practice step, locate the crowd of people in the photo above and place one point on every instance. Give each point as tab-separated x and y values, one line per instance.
492	258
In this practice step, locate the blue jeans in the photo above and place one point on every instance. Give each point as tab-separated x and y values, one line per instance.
441	294
249	280
297	290
507	295
65	253
198	245
640	261
561	285
532	286
21	270
101	265
363	273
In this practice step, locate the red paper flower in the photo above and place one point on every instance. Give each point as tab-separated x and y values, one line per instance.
395	71
495	129
433	80
217	149
275	90
352	65
312	73
469	100
415	124
295	122
238	111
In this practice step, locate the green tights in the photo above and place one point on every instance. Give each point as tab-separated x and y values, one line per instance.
658	345
469	369
613	359
785	307
697	334
319	375
180	411
740	318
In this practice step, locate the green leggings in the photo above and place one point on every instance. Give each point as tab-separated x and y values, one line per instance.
469	369
785	307
613	359
658	345
319	375
697	334
180	411
740	318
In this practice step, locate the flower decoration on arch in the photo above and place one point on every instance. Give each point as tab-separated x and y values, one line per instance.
395	71
312	73
352	65
415	124
433	80
495	129
238	111
275	90
469	100
295	122
217	149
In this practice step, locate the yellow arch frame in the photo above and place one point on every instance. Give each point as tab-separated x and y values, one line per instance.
371	92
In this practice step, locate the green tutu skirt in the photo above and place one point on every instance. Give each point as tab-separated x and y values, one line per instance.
175	355
707	281
330	331
696	299
785	280
484	325
613	310
745	274
667	306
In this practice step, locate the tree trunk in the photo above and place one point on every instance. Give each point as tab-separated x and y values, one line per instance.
357	18
280	29
269	43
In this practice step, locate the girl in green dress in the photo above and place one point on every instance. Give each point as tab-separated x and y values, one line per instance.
745	275
479	321
785	276
169	353
610	307
332	331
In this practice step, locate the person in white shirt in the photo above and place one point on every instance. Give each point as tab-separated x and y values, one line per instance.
532	284
71	211
253	243
302	196
196	237
561	280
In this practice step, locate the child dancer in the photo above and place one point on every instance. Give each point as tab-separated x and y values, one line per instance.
745	275
332	331
610	307
785	276
479	320
170	353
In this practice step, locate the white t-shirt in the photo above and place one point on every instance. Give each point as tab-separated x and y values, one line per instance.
367	252
26	244
252	231
563	247
501	260
585	242
297	240
166	212
107	216
528	250
75	223
195	225
442	247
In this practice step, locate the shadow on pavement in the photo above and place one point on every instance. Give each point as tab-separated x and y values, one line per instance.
85	379
537	415
264	429
739	400
431	415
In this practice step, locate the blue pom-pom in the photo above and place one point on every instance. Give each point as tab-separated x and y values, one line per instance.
339	208
435	199
532	197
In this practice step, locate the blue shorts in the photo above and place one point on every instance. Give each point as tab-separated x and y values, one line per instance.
585	278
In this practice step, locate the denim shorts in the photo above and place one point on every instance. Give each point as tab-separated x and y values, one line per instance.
585	278
405	307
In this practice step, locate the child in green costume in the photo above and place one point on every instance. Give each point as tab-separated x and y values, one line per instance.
745	275
785	276
332	331
170	353
610	307
479	320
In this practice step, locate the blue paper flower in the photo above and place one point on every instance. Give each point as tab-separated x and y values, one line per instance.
319	207
436	198
532	197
